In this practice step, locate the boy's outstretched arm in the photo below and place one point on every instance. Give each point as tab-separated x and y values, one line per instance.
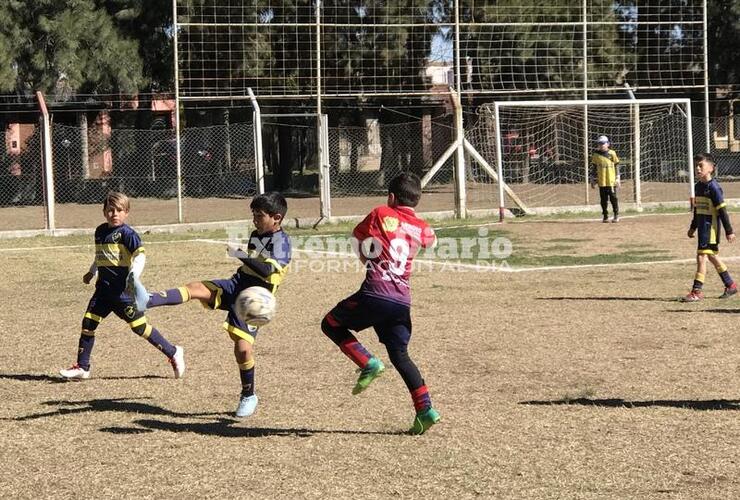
264	269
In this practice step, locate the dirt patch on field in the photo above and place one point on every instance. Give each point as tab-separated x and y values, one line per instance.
583	383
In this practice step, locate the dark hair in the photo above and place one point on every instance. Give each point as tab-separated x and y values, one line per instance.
707	157
271	203
406	187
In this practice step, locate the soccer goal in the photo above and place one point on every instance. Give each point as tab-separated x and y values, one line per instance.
546	148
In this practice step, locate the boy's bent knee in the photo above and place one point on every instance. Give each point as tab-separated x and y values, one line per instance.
332	329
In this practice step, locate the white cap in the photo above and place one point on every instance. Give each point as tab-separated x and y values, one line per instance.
603	139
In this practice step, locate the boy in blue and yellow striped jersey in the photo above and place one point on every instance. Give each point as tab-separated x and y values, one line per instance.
118	254
709	210
605	164
265	263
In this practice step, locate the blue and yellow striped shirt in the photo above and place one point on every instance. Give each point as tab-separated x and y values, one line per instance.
115	248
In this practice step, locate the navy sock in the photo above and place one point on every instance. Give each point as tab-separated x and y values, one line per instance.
171	297
157	340
87	341
246	374
698	281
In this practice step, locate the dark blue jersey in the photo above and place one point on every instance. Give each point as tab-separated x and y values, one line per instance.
274	249
708	204
115	247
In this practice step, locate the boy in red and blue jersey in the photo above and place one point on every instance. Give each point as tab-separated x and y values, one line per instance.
265	264
709	211
119	257
388	240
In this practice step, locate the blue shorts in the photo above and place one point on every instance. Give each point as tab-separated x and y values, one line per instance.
705	247
102	304
391	320
225	299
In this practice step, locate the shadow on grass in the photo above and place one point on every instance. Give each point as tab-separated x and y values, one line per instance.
120	405
219	427
686	404
58	379
719	311
223	427
626	299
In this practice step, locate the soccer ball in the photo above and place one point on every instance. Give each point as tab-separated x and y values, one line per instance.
256	305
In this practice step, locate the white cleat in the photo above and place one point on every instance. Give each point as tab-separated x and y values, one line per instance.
75	372
178	361
247	405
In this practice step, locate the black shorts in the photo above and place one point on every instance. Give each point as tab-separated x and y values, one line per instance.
391	320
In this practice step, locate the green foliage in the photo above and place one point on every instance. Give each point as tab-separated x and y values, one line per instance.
66	47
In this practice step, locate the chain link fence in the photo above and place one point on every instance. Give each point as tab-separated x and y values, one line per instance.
217	176
364	159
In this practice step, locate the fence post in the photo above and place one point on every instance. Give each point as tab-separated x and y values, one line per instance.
324	168
259	168
47	161
460	194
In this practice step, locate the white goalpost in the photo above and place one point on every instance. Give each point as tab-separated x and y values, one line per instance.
542	150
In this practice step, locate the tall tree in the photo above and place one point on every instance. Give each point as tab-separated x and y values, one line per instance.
724	41
149	22
70	46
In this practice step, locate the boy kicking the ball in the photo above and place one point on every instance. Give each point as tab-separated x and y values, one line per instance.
709	210
119	254
388	240
264	263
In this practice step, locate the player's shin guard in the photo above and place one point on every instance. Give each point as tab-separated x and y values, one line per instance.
246	374
171	297
347	342
85	347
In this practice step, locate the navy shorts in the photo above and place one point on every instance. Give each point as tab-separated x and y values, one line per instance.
226	292
391	320
102	304
705	247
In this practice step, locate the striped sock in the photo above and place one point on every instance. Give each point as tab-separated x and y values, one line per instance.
724	274
157	340
355	351
698	281
421	398
171	297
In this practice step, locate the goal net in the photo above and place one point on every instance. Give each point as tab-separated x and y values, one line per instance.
546	148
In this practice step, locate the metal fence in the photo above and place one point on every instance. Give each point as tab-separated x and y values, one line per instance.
217	176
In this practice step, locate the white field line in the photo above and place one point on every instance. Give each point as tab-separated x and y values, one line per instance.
327	235
497	267
447	265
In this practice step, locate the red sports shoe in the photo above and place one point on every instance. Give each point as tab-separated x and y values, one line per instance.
729	291
693	296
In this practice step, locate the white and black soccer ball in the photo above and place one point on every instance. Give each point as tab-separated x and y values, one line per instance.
256	305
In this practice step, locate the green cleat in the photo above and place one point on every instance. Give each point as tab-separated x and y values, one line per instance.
372	370
424	420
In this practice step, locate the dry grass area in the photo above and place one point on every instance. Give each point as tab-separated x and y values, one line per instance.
581	383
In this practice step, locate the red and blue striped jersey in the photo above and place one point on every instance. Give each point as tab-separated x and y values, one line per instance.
390	238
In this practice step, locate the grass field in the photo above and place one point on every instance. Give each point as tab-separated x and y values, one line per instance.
571	373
